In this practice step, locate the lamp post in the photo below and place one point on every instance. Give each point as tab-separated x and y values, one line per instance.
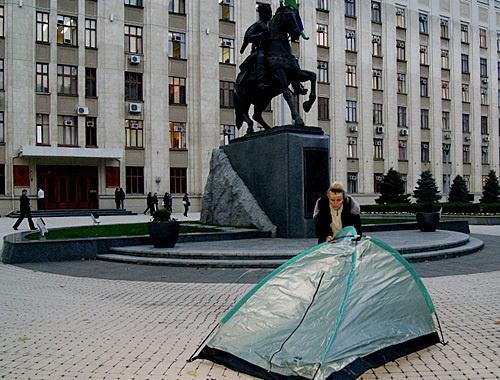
446	150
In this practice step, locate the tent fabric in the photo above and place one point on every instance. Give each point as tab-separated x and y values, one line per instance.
332	312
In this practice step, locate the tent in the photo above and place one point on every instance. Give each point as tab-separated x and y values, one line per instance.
332	312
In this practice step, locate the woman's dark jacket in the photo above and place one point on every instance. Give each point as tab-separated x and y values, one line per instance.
323	216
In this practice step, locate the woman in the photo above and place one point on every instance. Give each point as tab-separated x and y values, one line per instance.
186	203
149	203
334	211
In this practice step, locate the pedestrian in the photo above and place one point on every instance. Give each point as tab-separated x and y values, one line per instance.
40	199
117	198
170	202
149	203
334	211
186	203
165	201
121	197
25	209
155	203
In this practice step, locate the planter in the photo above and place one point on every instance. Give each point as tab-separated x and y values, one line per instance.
164	234
428	221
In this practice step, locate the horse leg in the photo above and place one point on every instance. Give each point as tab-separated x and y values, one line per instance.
257	114
241	109
283	81
303	76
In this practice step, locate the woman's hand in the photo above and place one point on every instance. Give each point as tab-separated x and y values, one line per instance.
330	239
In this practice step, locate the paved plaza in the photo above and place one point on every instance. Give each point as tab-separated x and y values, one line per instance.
78	324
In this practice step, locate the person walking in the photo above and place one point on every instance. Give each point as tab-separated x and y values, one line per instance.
117	198
170	202
121	197
166	200
25	209
41	199
155	203
149	203
186	203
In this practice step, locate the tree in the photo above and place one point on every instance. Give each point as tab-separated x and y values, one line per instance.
491	190
458	190
426	190
392	189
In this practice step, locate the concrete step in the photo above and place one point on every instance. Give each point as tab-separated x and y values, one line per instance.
74	212
473	245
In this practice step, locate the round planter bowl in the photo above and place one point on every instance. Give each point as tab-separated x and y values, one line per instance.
164	234
427	221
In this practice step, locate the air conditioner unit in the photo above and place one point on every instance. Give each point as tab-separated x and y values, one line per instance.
177	128
68	123
484	91
82	111
423	81
351	69
134	125
400	44
60	21
422	17
67	40
378	142
485	80
379	178
467	138
445	85
353	141
423	49
404	132
134	107
486	138
402	144
226	2
375	6
135	59
444	53
353	177
322	65
353	128
321	28
485	149
379	130
401	77
227	43
465	87
377	73
176	37
466	148
447	136
444	22
350	34
90	124
446	147
464	28
376	39
400	12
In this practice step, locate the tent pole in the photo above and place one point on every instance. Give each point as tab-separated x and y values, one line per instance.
443	342
193	356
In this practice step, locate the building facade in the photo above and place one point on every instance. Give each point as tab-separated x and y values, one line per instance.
96	95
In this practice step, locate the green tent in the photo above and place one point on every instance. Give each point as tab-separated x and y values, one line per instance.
331	312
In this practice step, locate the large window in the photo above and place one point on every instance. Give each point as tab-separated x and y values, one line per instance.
376	79
322	71
323	109
68	130
42	129
134	134
133	86
134	183
402	150
133	39
464	33
42	77
400	17
67	30
424	87
2	127
177	6
91	132
352	183
423	23
465	64
2	34
483	67
485	156
401	50
377	114
322	5
2	74
466	154
402	117
177	89
226	91
445	28
352	147
424	55
424	152
483	43
350	40
227	133
376	45
178	180
42	27
67	80
484	125
376	12
90	33
401	83
177	45
465	93
445	89
424	118
226	50
322	35
445	121
226	10
350	76
350	8
2	179
133	3
484	97
378	149
465	123
351	111
90	82
445	59
177	135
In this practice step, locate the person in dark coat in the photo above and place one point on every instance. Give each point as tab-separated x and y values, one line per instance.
117	198
186	204
167	201
334	211
25	209
149	203
121	197
154	201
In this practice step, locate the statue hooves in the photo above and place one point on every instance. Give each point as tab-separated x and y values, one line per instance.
307	106
299	123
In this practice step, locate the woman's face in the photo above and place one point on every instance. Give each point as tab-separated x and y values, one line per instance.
335	200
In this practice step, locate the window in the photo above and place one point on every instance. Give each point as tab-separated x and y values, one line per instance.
350	40
446	154
177	89
464	33
2	34
445	121
42	27
178	180
2	127
376	45
133	134
351	111
177	135
445	89
484	97
90	132
133	3
445	29
467	181
376	12
402	150
133	39
90	33
177	45
352	182
402	117
322	35
227	133
485	157
424	152
400	50
350	8
350	76
67	30
377	114
466	154
42	129
352	147
68	130
424	55
424	119
423	23
401	83
90	82
376	79
465	93
67	80
226	50
400	17
424	87
483	67
322	71
465	64
482	38
323	109
134	183
2	179
42	77
484	125
377	182
378	149
226	94
226	10
445	59
465	123
322	5
133	86
177	6
498	41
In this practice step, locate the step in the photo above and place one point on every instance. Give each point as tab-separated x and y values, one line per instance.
473	245
74	212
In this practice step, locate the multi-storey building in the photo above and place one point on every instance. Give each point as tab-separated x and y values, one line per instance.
96	95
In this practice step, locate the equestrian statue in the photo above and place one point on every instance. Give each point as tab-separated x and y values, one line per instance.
271	68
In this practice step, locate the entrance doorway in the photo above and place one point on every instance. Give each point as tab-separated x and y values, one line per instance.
69	187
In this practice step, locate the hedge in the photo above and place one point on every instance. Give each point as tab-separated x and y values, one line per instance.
448	208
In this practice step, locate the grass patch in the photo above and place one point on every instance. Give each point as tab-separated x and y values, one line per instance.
111	230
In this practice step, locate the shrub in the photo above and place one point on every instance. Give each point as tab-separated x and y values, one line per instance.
161	215
426	190
491	189
392	189
458	190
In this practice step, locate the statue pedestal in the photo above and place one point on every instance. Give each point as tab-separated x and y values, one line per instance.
286	169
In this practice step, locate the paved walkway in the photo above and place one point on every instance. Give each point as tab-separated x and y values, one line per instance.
55	326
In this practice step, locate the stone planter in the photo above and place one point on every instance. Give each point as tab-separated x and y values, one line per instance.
164	234
428	221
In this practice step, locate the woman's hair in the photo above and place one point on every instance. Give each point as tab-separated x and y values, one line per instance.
337	188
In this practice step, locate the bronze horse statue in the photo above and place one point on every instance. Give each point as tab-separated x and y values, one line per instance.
282	70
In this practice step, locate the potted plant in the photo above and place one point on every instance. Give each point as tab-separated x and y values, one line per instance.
163	230
428	218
